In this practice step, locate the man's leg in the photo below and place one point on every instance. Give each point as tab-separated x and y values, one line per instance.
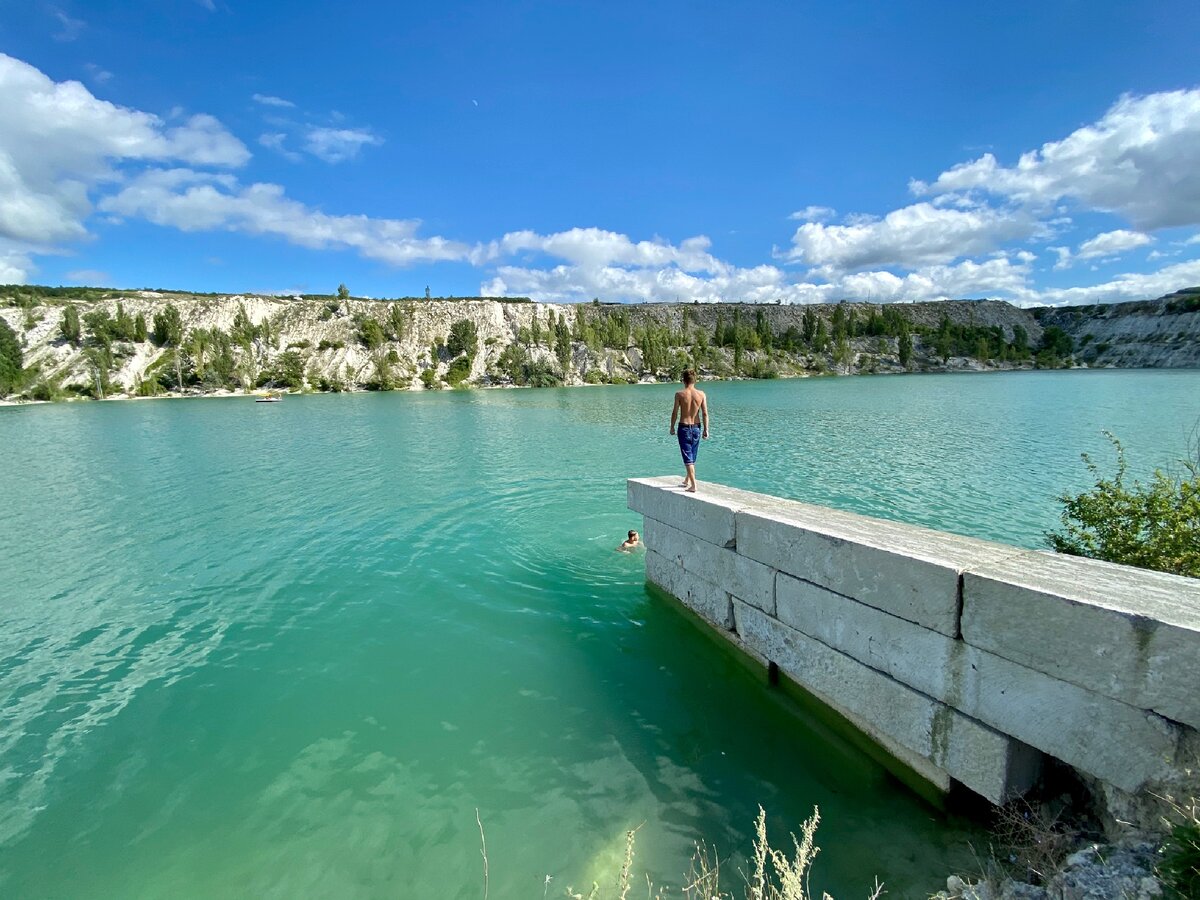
690	481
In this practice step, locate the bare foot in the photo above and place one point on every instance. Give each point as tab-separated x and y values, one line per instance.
691	490
683	484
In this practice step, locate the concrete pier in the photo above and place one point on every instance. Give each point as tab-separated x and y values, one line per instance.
967	660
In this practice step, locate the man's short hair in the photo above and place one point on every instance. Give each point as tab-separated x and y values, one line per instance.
689	377
632	535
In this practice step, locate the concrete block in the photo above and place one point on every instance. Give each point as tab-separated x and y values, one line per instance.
1113	741
1127	633
907	571
738	575
702	597
986	761
704	514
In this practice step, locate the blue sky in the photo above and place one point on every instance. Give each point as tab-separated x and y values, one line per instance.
1037	152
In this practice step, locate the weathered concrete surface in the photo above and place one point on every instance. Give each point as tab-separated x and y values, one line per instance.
970	656
746	579
991	764
702	596
705	516
907	571
1059	718
1126	633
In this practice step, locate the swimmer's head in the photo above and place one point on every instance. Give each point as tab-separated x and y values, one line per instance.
689	377
633	535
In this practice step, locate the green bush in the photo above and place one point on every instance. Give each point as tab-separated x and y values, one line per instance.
1152	526
429	378
459	370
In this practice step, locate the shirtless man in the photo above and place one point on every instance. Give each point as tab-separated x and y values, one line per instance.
691	408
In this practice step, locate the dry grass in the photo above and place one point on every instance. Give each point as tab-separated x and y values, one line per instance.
774	875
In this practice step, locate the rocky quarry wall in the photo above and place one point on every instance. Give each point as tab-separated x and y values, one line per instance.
969	661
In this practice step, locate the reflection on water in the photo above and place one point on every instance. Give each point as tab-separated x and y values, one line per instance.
288	650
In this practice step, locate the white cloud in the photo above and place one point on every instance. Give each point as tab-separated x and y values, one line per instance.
15	265
338	144
268	100
1108	245
1194	239
595	247
97	74
915	235
813	214
1131	286
1140	160
1112	243
199	201
275	141
69	29
59	142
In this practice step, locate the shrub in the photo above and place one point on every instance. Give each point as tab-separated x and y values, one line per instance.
429	378
1180	867
370	333
459	370
331	345
1152	526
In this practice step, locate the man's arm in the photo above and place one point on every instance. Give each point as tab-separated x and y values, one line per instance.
704	412
674	413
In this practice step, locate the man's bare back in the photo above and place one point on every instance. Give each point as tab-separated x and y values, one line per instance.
690	403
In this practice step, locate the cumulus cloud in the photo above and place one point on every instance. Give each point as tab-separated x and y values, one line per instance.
15	265
200	201
920	234
338	144
59	141
1108	245
595	247
1131	286
1140	160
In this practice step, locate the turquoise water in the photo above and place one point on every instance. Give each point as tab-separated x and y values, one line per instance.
289	650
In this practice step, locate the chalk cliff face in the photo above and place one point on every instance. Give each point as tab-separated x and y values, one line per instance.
320	342
1163	333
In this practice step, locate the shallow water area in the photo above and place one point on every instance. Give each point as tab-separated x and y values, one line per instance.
290	650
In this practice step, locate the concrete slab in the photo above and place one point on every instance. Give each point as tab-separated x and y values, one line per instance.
702	597
909	572
989	763
1111	740
706	514
1127	633
736	574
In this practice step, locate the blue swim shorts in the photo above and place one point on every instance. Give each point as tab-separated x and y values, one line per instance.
689	442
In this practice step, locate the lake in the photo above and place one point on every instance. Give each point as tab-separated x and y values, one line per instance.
290	650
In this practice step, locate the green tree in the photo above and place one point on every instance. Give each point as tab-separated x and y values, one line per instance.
168	327
289	370
139	329
906	348
11	368
1152	526
123	325
1057	342
463	339
243	330
396	322
370	333
562	344
69	327
343	292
